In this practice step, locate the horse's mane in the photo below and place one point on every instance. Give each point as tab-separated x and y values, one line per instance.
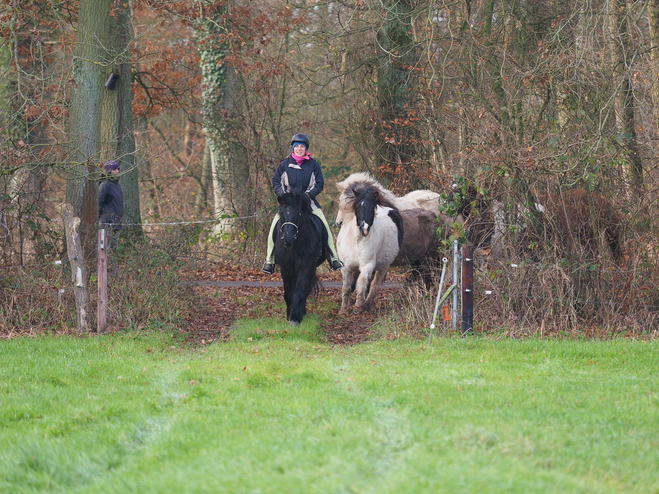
362	180
423	199
296	198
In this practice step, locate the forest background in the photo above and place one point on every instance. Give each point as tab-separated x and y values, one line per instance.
525	99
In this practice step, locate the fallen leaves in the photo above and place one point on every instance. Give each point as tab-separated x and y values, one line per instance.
222	306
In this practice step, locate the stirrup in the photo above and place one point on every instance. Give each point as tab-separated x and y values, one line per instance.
337	264
268	268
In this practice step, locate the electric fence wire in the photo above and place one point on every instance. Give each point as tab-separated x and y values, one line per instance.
215	220
571	300
56	262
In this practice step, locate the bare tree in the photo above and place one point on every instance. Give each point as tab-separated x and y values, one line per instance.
621	65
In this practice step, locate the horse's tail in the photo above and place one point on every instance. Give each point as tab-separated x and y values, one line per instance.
315	286
395	216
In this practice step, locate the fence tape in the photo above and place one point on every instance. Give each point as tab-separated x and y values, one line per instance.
57	262
255	215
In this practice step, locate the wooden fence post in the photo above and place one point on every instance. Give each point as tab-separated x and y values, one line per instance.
78	270
102	308
456	256
467	288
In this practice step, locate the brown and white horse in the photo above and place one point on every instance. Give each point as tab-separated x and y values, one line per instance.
368	242
419	211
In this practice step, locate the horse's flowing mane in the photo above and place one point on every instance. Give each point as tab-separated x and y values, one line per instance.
418	199
358	181
296	198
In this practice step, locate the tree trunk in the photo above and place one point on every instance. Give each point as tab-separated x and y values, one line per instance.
213	70
126	146
230	169
201	201
90	70
78	268
619	42
118	126
397	140
653	15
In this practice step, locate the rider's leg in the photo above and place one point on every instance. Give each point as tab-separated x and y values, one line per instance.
335	262
269	265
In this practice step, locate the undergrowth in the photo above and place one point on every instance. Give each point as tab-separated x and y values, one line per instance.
144	287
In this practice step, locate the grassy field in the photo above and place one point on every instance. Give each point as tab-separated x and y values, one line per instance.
277	410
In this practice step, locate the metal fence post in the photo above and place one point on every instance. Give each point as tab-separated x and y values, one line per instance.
102	308
467	288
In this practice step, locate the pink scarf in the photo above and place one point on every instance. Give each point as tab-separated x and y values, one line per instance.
300	159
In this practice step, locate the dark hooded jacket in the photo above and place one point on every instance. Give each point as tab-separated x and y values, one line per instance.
110	202
307	177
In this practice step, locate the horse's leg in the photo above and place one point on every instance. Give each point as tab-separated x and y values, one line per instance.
289	287
362	286
297	307
301	291
375	286
349	275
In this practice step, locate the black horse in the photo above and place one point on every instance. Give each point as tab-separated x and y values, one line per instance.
300	247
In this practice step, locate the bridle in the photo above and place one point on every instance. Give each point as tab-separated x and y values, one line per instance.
297	229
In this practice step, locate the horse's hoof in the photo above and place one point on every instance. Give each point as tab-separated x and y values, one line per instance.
358	310
295	324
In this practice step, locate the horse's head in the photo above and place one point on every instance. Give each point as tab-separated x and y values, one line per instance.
365	202
293	207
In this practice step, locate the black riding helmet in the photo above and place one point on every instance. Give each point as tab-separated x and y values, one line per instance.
301	138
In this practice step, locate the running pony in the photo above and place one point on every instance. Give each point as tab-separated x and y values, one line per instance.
369	240
419	211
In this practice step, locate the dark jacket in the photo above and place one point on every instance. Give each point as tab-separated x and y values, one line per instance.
110	202
307	177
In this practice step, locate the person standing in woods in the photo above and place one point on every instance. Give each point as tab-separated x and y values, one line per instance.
111	203
300	171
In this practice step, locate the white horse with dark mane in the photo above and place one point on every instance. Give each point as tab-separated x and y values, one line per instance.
417	199
419	211
368	242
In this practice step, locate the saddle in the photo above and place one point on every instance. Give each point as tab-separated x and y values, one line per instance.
322	233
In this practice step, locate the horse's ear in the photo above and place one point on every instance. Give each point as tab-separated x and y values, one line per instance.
375	195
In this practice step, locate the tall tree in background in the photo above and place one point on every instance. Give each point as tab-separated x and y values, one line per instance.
118	127
213	49
31	107
398	138
653	24
91	68
245	92
621	62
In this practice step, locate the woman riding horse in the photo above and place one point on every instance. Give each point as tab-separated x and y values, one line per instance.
300	247
301	172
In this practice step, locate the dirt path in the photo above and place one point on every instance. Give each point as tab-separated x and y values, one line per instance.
229	293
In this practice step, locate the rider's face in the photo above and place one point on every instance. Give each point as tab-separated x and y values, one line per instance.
299	150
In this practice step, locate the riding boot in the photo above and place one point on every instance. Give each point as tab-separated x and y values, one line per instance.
269	265
334	262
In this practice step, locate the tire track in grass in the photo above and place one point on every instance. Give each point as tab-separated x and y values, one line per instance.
394	439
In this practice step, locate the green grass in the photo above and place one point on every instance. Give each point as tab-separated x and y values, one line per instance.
277	410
